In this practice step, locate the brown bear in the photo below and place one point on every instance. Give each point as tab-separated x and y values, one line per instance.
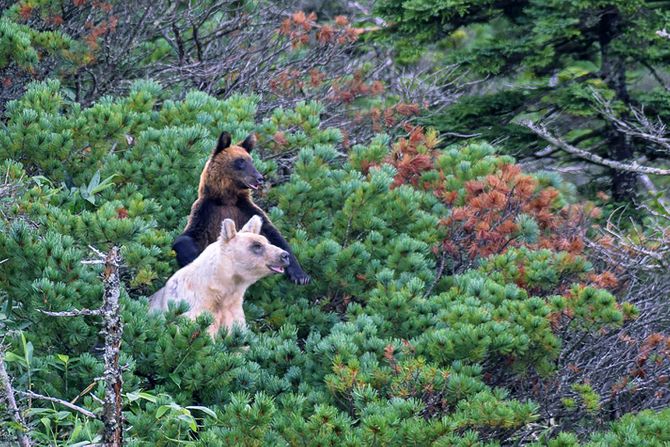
223	193
216	280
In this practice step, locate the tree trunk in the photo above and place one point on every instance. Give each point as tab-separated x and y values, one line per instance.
613	71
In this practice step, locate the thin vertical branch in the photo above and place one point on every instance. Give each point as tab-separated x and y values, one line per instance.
112	331
6	387
438	273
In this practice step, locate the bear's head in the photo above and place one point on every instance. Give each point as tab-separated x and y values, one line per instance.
230	168
253	256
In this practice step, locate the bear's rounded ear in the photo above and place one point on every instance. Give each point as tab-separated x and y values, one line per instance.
228	231
253	225
249	142
223	143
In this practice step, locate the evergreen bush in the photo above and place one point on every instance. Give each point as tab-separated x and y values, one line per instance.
380	349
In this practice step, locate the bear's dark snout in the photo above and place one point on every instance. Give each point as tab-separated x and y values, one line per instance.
254	179
285	259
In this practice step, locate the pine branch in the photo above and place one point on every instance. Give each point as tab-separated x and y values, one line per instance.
112	331
6	386
543	133
62	402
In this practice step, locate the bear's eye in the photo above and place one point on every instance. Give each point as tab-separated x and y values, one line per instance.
257	248
239	164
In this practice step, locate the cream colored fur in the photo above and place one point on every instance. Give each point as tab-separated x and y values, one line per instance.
216	280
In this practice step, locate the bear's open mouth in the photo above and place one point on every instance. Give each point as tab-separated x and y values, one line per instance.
276	268
252	184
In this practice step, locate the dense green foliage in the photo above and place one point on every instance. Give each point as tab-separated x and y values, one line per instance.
359	357
455	299
546	59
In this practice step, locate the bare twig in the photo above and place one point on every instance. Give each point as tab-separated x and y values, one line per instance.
635	252
641	126
92	261
543	133
366	11
62	402
22	435
97	252
88	390
72	313
461	135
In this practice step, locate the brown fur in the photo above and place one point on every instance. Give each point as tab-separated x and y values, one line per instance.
223	193
218	178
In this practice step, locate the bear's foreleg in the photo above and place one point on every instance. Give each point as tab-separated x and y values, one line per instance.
186	248
294	271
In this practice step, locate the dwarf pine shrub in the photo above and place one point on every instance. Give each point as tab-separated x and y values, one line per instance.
379	349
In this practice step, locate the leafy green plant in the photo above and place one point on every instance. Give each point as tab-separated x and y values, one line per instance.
94	187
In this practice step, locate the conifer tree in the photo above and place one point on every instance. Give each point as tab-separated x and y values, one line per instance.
550	60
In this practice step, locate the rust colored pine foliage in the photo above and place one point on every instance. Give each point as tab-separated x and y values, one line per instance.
488	212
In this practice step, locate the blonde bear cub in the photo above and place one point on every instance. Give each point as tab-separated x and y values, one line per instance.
216	280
